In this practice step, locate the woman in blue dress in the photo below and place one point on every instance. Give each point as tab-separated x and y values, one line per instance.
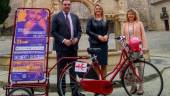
97	30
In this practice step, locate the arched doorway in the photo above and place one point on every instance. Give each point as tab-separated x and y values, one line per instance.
82	11
166	23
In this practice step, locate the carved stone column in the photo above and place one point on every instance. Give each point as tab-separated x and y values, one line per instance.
95	1
55	6
29	3
119	18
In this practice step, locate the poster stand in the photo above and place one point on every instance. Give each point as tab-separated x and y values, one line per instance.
28	68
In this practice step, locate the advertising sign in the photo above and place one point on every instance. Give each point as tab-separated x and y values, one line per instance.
29	45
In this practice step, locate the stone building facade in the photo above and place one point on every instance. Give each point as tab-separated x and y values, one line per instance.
114	10
150	12
160	14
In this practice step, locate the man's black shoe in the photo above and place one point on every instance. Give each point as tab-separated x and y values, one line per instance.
81	94
78	94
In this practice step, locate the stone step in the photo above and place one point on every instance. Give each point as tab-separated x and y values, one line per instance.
5	59
113	58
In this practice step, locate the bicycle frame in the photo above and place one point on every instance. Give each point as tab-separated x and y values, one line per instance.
124	62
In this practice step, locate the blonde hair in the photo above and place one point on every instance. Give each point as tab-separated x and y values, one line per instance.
102	13
134	12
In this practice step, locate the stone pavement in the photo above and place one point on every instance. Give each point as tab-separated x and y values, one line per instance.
159	44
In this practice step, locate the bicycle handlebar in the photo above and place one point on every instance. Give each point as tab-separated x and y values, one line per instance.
125	45
120	38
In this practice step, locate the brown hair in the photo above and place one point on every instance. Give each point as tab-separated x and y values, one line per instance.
134	12
102	13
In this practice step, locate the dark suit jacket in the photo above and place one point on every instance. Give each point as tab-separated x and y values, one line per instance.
60	31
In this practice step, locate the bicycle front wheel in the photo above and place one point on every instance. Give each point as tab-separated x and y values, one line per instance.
142	78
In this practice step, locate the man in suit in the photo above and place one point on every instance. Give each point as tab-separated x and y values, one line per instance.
66	31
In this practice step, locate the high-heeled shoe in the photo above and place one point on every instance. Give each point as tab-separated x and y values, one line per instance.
133	89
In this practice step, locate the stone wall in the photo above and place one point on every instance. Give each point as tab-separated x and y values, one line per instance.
156	9
149	14
108	6
142	7
111	7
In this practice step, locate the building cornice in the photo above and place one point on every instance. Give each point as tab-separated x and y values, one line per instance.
159	2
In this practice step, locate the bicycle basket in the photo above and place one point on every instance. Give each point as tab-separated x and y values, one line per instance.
134	44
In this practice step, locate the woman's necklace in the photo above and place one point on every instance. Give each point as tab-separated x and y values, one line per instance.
131	29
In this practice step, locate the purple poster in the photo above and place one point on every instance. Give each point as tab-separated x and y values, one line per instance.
29	46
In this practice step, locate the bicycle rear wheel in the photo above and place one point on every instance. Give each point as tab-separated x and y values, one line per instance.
20	92
69	84
142	74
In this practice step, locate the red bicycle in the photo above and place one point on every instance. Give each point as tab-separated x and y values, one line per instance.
132	69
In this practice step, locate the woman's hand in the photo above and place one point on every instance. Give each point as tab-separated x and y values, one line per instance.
145	50
105	38
101	38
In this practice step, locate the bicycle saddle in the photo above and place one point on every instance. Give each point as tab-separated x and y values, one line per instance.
93	50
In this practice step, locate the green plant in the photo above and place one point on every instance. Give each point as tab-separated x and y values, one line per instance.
4	10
